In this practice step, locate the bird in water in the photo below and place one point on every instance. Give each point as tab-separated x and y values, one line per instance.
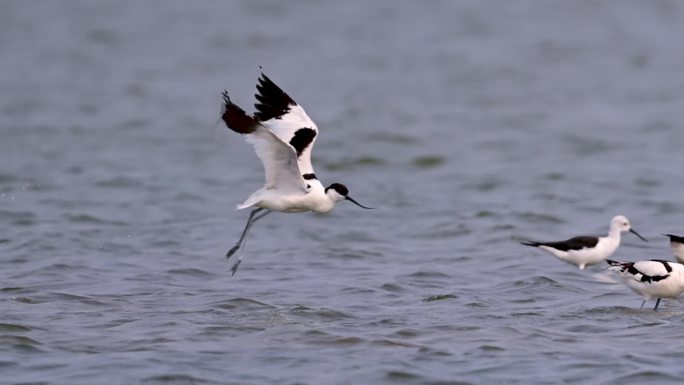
677	245
584	251
654	279
283	136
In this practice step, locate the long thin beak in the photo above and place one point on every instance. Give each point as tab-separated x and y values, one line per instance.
359	204
637	234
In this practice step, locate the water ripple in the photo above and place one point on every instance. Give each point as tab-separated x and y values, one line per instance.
484	124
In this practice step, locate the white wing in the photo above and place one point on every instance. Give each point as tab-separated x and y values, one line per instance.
297	129
279	160
285	118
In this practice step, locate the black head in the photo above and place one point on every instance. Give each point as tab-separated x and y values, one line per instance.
343	194
339	187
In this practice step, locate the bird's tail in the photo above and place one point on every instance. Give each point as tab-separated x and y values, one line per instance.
236	118
617	266
675	238
530	243
250	201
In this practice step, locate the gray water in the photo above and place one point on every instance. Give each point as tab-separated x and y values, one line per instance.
471	125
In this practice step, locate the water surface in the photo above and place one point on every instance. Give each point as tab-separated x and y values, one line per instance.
471	125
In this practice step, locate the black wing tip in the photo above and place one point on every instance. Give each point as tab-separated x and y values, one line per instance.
613	263
226	100
235	117
273	102
530	243
264	79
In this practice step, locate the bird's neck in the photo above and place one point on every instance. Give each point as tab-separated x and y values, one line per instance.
615	233
678	251
324	204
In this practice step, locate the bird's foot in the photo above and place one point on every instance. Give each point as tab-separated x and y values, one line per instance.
235	266
232	251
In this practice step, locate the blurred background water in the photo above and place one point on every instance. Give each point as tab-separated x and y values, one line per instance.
471	125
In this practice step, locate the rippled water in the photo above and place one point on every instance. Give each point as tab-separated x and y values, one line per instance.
471	125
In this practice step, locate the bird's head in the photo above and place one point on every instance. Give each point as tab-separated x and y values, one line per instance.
339	192
621	223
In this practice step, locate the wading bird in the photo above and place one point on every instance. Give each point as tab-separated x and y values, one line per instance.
656	278
587	250
677	245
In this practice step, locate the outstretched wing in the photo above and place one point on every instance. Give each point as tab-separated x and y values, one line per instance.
277	111
279	158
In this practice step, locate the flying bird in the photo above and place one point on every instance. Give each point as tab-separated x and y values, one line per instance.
283	137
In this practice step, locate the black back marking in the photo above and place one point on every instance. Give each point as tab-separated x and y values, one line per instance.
675	238
302	139
665	263
629	266
273	102
340	188
236	118
309	176
657	278
654	278
576	243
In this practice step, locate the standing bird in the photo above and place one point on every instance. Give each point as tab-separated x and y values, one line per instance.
282	135
587	250
656	278
677	245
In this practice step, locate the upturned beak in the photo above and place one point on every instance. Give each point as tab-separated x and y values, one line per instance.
359	204
638	235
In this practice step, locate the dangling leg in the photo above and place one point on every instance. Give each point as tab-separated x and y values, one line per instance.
657	303
253	217
642	305
244	232
256	218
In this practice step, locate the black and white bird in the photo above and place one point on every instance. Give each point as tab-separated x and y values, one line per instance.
283	136
584	251
652	279
677	245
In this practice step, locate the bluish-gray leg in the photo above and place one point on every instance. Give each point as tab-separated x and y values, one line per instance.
657	303
250	220
253	217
